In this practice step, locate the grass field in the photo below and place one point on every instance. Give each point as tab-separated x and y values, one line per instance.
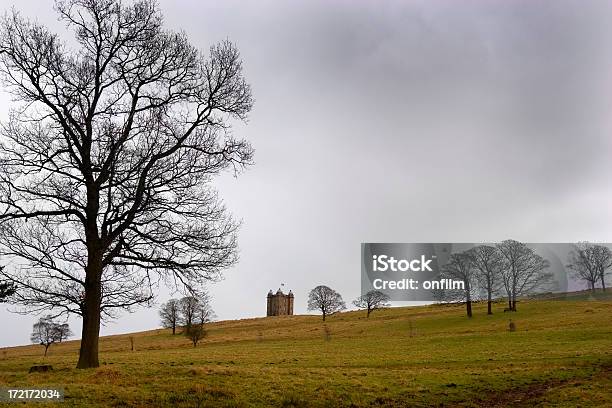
560	355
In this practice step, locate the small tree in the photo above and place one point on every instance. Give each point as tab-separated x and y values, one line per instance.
196	311
326	300
195	333
44	332
371	301
170	314
63	331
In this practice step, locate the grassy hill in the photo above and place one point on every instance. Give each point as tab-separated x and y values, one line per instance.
560	355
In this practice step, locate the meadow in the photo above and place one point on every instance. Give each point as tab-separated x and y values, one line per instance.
559	355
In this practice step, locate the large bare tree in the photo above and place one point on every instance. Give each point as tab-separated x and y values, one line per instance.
523	271
106	162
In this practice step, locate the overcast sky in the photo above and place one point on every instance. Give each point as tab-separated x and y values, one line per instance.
407	121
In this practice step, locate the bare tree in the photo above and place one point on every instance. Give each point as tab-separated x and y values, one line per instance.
602	257
487	262
196	313
581	260
170	314
325	299
106	165
195	333
204	313
523	270
44	332
63	331
189	307
371	301
460	268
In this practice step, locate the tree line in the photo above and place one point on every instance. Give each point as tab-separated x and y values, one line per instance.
513	269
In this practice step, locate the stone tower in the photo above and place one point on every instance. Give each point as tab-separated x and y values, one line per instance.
280	304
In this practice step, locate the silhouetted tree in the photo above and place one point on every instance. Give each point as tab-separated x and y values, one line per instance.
196	313
170	314
460	268
189	306
523	270
371	301
581	260
487	263
63	331
326	300
105	166
44	332
603	262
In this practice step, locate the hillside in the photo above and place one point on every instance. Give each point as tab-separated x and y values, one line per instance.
561	355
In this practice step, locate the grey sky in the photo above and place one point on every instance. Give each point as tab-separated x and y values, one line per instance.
399	121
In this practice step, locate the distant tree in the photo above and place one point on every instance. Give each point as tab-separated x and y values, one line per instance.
523	270
189	307
170	314
63	331
199	312
195	333
325	299
460	268
204	313
195	310
106	162
44	332
487	262
581	261
371	301
603	262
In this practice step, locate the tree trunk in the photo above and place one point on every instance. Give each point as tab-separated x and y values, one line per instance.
88	354
603	281
369	310
469	308
323	315
489	311
173	328
46	348
510	302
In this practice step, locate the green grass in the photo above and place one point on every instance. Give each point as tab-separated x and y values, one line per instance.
560	355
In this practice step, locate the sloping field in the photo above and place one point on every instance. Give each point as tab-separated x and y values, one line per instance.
560	355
